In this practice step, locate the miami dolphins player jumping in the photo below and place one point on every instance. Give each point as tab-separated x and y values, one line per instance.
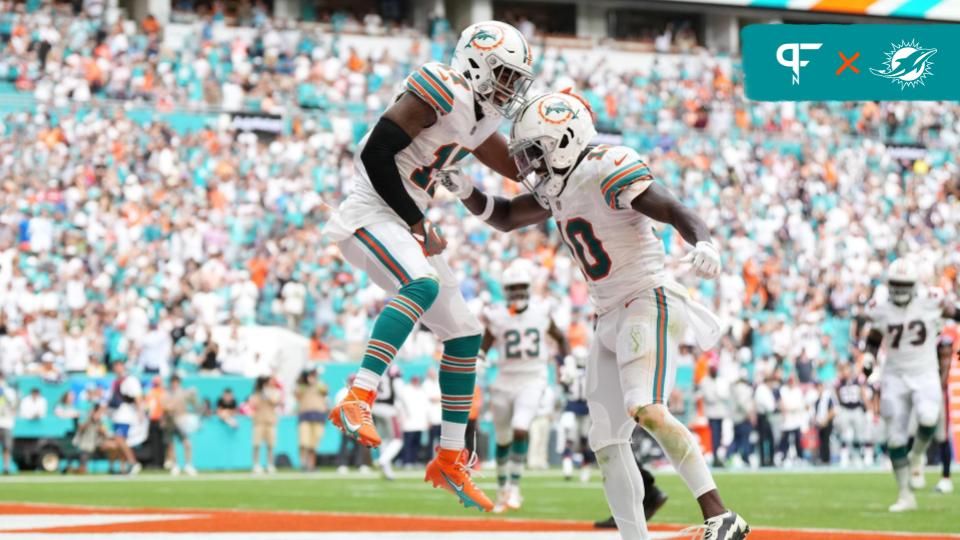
442	114
603	199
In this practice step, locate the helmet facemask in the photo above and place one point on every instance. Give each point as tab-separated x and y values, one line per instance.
518	296
902	292
532	157
509	86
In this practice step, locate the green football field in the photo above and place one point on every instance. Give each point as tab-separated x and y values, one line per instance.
791	500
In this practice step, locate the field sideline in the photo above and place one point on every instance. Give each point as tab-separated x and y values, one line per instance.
790	500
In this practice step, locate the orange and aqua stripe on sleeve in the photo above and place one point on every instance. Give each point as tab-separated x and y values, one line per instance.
615	182
660	370
430	88
379	251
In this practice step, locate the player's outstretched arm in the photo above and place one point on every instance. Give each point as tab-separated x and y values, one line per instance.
395	130
871	348
500	213
657	202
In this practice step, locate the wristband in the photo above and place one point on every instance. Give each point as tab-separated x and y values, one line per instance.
488	209
467	195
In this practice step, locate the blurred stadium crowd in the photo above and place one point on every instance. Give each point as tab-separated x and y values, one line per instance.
128	241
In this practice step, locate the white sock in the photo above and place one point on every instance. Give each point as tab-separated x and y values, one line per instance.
367	380
902	474
684	454
623	486
452	435
390	451
918	452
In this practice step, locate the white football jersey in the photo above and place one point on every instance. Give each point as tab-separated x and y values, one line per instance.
451	138
910	332
521	339
615	245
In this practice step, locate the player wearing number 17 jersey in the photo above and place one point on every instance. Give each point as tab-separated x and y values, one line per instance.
603	200
907	325
442	114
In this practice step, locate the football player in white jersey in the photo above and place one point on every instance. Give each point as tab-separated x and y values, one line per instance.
519	329
575	419
603	199
907	325
442	114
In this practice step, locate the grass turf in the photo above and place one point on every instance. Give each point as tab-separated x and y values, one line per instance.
791	500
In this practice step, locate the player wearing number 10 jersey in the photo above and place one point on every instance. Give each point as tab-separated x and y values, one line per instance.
442	114
603	199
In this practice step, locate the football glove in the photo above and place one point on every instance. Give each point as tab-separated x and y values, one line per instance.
454	181
704	260
869	362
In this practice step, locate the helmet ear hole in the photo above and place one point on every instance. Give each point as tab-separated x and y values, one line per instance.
474	64
564	141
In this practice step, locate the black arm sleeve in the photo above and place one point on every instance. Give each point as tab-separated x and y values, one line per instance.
379	159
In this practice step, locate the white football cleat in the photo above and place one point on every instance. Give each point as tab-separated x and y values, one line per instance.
727	526
135	469
514	500
271	469
567	467
945	485
502	495
585	474
905	503
189	470
917	480
257	469
175	470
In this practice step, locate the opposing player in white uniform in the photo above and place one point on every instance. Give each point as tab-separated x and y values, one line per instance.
575	420
603	200
519	329
907	325
442	114
851	421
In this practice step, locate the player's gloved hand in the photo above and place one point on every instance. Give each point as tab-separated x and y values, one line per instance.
454	181
704	260
431	238
869	362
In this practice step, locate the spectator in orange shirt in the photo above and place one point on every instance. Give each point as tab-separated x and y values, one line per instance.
150	25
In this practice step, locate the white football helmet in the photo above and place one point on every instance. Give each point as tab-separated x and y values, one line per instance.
547	139
517	279
497	60
902	277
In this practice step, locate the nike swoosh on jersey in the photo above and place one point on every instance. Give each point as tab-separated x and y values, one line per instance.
619	161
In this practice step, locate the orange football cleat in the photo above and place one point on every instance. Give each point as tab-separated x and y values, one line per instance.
352	417
451	470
